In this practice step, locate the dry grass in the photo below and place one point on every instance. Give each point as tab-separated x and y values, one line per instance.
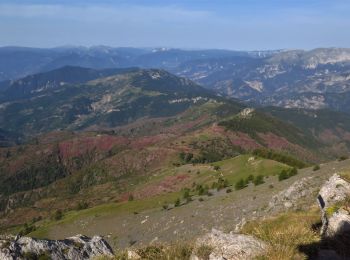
178	251
160	252
203	252
286	233
345	175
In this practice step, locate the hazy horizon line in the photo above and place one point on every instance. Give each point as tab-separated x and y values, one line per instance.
67	46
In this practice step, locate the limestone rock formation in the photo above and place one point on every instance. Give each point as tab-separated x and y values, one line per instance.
338	223
288	198
334	191
77	247
231	246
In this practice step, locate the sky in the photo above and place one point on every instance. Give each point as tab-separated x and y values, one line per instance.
188	24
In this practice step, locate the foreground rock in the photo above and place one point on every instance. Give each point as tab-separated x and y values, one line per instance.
333	192
338	223
77	247
230	246
335	230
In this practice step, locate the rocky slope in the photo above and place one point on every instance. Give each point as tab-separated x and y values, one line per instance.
31	85
305	79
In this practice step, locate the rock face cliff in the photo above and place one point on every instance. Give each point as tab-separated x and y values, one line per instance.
78	247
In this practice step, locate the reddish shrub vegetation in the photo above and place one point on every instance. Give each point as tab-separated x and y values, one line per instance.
244	141
168	184
142	142
80	146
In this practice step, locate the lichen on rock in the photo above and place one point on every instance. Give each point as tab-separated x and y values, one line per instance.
78	247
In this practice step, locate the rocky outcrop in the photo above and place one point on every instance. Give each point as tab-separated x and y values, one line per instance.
335	190
338	223
78	247
230	246
288	198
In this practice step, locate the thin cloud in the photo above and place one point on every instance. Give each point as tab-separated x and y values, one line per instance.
119	23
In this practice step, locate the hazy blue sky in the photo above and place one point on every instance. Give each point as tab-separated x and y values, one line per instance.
241	24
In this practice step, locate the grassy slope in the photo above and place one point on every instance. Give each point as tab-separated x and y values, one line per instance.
231	169
244	165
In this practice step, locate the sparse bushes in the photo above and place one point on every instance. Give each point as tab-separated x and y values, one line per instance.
228	190
220	184
241	184
58	215
293	172
283	175
343	157
202	190
27	228
258	180
250	178
187	196
177	202
316	168
82	205
216	167
36	219
186	157
286	159
131	197
286	174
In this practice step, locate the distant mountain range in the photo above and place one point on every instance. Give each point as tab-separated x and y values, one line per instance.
17	62
76	98
79	98
293	79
